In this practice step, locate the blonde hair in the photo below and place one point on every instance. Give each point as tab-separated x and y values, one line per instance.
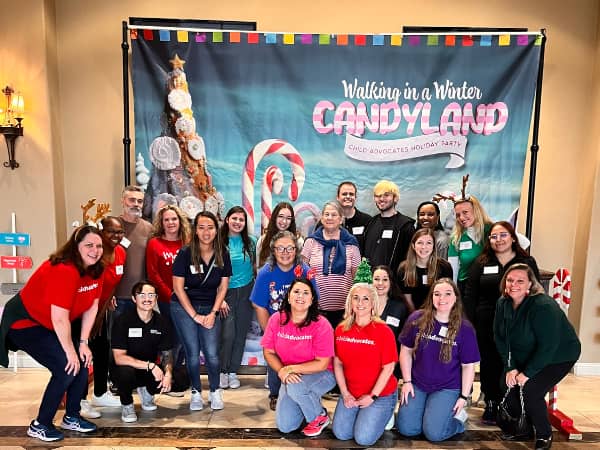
349	317
481	219
185	230
536	287
384	186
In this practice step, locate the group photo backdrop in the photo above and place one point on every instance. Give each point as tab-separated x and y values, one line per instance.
274	116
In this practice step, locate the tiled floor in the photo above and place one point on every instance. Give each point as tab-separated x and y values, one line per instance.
246	422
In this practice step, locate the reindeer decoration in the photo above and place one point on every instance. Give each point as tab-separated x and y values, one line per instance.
101	210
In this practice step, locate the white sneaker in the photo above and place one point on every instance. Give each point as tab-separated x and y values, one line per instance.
224	381
216	399
196	403
234	381
147	399
106	399
390	424
267	380
88	411
128	414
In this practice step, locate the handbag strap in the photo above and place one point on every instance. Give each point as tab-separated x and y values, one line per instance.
503	402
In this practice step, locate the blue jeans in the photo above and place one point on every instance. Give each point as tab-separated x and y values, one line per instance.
302	401
430	414
43	346
274	382
178	357
235	327
196	338
365	425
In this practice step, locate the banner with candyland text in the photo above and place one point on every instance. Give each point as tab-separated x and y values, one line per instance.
226	118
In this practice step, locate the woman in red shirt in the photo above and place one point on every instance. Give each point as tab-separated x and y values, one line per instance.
113	259
38	321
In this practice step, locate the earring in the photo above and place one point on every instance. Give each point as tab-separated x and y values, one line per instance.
527	291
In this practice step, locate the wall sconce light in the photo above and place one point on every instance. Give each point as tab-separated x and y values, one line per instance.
11	127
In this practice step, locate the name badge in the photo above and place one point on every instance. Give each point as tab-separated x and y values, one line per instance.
193	269
490	269
125	242
135	332
393	321
443	332
467	245
119	269
387	234
358	230
425	280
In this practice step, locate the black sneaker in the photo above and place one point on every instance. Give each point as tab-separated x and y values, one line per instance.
44	433
490	413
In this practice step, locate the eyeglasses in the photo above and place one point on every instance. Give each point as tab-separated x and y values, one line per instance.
144	295
286	218
495	237
288	249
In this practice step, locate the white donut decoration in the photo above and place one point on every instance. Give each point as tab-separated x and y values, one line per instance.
212	205
165	153
191	206
179	99
195	148
185	125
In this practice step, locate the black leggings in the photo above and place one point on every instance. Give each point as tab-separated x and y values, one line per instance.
534	392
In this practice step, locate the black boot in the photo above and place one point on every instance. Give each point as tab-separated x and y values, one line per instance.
490	413
543	444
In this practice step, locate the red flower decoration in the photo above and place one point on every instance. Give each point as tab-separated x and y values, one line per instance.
298	271
311	274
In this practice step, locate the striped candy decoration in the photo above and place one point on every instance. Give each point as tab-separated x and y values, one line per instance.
258	152
272	182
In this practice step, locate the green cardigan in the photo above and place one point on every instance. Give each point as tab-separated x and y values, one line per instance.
535	335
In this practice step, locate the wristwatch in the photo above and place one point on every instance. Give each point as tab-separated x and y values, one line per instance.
374	397
84	341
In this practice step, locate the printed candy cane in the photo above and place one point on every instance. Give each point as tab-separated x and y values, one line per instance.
258	152
272	182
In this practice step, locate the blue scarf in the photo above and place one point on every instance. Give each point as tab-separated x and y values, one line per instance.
338	265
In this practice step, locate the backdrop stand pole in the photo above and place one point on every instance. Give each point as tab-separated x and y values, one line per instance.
126	135
534	139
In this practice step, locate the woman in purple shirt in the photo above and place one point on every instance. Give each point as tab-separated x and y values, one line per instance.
437	359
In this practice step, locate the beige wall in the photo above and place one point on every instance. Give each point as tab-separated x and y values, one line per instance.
81	92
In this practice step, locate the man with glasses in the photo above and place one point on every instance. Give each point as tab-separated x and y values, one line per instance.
137	232
355	220
139	337
387	235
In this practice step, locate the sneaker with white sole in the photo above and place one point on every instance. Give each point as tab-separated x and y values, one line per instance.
44	433
128	414
74	423
234	381
147	399
106	399
216	399
88	411
196	403
224	380
317	426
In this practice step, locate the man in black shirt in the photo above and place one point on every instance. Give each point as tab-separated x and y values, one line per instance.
139	336
387	235
355	220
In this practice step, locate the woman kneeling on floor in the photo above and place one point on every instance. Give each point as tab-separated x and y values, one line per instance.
365	356
437	359
138	337
298	346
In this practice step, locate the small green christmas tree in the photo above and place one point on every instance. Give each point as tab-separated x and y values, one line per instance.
363	272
